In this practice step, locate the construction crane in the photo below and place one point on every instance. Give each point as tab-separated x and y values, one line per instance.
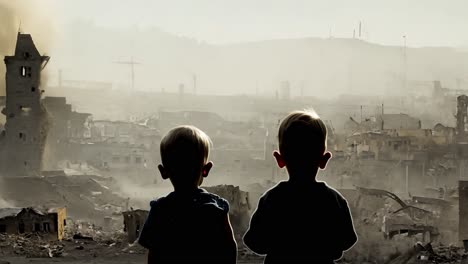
132	64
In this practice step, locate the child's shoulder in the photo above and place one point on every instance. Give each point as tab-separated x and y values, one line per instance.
201	198
158	202
340	199
275	192
208	198
288	189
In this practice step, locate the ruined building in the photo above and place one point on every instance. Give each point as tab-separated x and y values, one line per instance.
51	222
26	119
65	124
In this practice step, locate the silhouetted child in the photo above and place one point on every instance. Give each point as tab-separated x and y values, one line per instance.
190	225
301	220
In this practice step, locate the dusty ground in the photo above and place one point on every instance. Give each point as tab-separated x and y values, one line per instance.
73	260
81	252
121	259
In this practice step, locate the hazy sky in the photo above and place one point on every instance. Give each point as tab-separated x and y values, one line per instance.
425	22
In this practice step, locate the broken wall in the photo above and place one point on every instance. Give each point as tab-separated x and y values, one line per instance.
463	210
133	223
240	207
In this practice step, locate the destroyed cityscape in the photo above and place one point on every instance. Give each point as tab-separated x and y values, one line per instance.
82	120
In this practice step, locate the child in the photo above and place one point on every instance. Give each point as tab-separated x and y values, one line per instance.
301	220
190	225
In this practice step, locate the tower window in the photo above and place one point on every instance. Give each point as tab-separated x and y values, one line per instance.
20	135
33	89
25	71
25	110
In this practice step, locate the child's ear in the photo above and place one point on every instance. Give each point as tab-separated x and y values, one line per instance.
279	159
163	172
206	169
324	160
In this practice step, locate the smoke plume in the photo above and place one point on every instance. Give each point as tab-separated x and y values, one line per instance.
31	17
5	204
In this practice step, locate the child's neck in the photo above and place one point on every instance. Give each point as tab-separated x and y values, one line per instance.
303	175
303	179
186	190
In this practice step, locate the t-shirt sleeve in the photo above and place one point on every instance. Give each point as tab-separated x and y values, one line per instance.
349	237
219	235
257	236
227	242
147	234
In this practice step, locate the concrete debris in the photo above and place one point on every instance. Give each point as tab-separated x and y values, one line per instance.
91	241
80	236
427	254
134	248
31	246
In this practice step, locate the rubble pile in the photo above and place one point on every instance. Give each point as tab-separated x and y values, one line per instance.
85	235
30	245
427	254
448	254
372	246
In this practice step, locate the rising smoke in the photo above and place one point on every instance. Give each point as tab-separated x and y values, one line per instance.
29	16
5	204
32	17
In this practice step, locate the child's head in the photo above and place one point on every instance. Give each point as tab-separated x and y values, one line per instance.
302	140
184	157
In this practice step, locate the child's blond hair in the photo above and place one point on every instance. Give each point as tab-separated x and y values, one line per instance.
184	150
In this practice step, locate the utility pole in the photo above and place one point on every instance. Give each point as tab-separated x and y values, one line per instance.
407	171
359	29
382	125
361	114
256	88
194	78
132	64
404	64
59	83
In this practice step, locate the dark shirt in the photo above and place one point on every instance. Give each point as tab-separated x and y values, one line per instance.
301	222
189	228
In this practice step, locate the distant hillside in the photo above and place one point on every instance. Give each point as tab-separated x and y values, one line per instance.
315	66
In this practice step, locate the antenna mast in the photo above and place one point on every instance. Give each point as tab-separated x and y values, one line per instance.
132	64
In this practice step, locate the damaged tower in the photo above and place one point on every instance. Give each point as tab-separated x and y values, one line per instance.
26	119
